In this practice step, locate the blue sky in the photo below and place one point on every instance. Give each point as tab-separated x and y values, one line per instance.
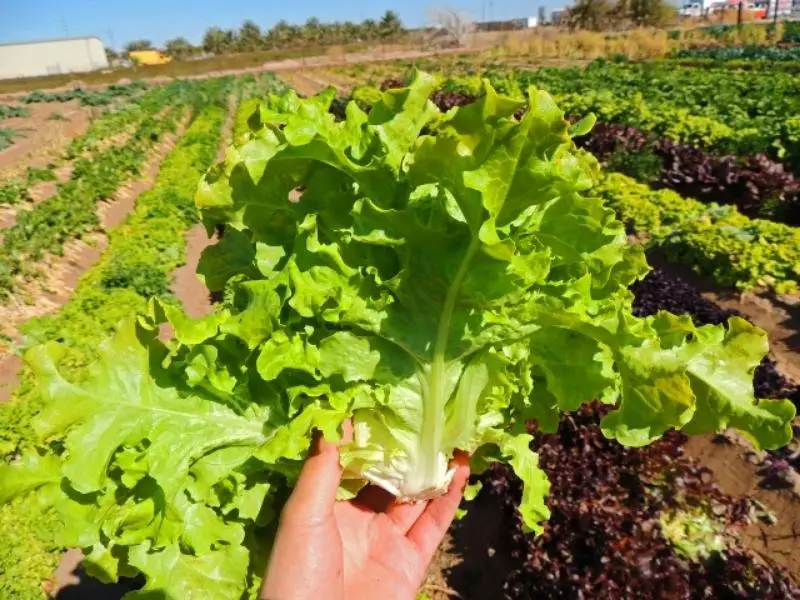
119	21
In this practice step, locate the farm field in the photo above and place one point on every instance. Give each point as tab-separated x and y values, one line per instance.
695	169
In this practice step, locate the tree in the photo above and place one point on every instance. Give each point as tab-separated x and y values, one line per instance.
333	33
249	37
112	55
179	48
456	24
351	31
312	31
369	30
589	14
281	34
390	25
649	13
216	41
138	45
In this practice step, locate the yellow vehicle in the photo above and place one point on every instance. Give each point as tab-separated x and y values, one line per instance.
149	57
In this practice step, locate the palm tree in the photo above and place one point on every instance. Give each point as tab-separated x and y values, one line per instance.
231	40
589	14
312	31
215	41
179	48
351	31
138	45
278	35
249	37
369	30
390	25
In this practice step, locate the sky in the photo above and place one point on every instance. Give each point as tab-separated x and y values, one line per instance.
119	21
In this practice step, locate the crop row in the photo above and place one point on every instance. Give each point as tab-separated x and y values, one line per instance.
101	130
141	254
739	112
101	97
716	241
757	185
116	121
724	110
11	112
72	211
136	266
761	53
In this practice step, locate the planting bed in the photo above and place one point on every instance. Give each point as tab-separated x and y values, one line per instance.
679	518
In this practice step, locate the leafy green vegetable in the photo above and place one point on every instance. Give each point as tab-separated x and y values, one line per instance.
439	279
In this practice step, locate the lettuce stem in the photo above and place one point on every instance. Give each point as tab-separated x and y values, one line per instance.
430	471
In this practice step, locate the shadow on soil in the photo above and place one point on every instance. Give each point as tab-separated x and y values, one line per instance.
88	588
483	559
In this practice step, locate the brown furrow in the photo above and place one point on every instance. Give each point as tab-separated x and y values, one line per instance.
61	274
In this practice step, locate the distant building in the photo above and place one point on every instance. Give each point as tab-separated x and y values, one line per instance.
507	25
784	8
52	57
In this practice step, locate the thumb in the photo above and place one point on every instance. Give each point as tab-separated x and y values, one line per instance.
315	492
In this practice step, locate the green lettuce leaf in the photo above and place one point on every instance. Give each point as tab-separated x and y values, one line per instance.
440	279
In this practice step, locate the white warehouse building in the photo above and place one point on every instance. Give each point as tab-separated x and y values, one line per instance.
52	57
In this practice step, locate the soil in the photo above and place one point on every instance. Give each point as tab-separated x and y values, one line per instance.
469	565
60	275
301	83
735	475
41	139
340	82
187	286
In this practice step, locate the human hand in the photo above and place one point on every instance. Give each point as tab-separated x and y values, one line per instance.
363	549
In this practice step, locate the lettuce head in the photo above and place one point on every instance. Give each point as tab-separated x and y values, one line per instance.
439	279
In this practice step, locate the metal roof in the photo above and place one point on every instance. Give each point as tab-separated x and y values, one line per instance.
59	39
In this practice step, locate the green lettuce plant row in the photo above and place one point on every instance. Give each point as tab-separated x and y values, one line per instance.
725	110
72	211
439	280
717	241
131	113
151	240
100	130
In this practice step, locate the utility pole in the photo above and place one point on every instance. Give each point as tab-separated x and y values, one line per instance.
64	24
775	19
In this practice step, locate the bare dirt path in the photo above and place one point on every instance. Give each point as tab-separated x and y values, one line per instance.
337	79
301	83
736	474
42	138
60	275
291	64
186	285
